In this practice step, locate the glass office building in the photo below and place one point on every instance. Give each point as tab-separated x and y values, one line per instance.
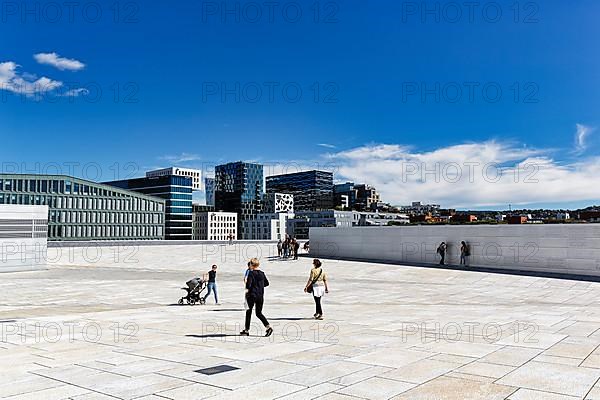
239	188
82	210
177	194
344	195
209	189
361	197
312	190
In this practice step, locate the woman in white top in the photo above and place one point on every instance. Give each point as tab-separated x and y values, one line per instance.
318	282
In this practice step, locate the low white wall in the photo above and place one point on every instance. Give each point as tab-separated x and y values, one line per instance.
23	237
566	249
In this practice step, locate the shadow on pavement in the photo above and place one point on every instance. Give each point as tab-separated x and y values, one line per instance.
211	335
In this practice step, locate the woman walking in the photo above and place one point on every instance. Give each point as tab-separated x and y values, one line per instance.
256	282
317	285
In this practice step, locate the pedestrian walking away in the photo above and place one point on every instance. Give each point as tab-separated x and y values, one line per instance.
248	268
441	250
317	285
256	282
212	284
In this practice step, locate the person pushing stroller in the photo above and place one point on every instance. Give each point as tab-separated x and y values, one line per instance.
211	278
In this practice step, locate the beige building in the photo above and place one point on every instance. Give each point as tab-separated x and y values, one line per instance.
214	225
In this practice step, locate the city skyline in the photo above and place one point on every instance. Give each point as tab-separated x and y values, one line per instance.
337	203
189	102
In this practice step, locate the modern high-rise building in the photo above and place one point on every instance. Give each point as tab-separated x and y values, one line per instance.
177	194
312	190
82	210
195	174
239	189
209	188
351	196
344	195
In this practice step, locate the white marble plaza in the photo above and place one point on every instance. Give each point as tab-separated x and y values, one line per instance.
104	324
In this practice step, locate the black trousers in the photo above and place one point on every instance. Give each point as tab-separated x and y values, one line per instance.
443	258
258	302
319	310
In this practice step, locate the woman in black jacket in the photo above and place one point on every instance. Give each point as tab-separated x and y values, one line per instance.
256	282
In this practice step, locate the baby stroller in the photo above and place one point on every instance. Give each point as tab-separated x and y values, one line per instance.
194	288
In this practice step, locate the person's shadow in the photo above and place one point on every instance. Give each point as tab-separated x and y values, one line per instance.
212	336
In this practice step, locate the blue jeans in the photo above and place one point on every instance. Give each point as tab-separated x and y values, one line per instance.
212	287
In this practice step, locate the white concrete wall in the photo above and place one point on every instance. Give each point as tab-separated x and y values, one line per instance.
23	237
570	249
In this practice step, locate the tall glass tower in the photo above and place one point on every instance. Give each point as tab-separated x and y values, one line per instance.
239	188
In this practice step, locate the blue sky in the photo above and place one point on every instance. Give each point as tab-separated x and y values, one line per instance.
150	86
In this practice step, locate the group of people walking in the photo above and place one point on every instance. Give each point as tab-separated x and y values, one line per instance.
288	248
465	253
255	282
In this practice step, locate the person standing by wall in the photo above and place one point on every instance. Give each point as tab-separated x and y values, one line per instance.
317	285
285	245
465	252
296	248
441	250
256	282
279	248
212	284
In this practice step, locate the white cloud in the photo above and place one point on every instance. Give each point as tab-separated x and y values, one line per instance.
469	175
59	62
327	145
581	137
180	158
25	84
76	92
